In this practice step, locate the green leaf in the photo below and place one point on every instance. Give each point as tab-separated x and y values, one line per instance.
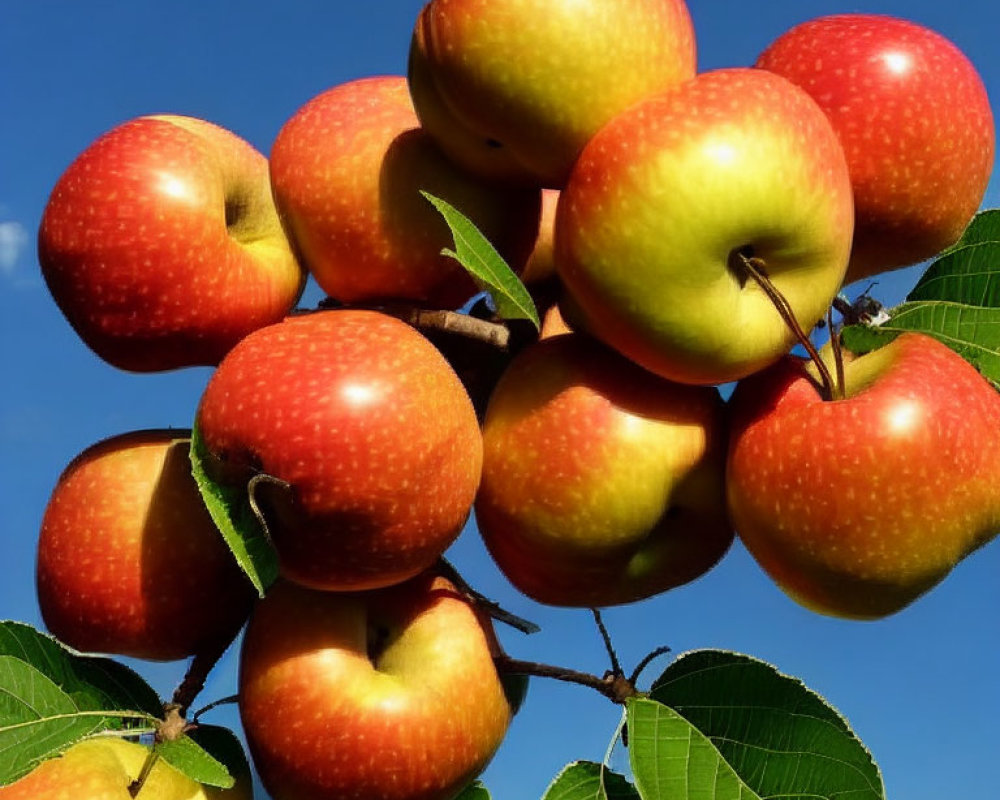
672	758
486	266
781	739
51	698
586	780
189	757
230	509
474	791
985	227
973	333
223	745
968	275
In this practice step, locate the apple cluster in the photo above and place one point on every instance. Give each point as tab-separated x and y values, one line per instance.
681	230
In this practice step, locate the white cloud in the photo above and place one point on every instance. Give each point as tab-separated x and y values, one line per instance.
13	240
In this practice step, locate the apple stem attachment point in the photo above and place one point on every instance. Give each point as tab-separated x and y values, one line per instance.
756	269
493	609
616	687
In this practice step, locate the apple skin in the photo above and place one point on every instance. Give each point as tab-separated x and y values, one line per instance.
347	170
161	245
102	768
858	506
129	562
386	695
664	196
369	425
513	89
602	483
914	120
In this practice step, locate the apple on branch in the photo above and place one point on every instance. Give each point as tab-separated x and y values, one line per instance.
162	246
858	506
347	171
129	561
915	122
602	483
367	437
669	201
384	695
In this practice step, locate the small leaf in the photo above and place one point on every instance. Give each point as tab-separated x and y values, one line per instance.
188	756
51	698
221	743
230	509
486	266
968	275
973	333
586	780
474	791
780	738
672	758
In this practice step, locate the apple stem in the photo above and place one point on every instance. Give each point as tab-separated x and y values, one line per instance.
147	767
258	512
616	667
756	269
615	686
838	354
198	671
492	608
222	701
646	661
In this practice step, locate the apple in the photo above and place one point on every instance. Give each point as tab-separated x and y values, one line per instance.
129	561
102	768
914	120
669	195
602	483
541	265
386	695
513	89
347	170
856	507
162	247
371	430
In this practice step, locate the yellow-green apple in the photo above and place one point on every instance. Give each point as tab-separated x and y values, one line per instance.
858	506
513	89
385	695
103	768
915	122
347	170
602	483
370	428
668	198
129	560
161	244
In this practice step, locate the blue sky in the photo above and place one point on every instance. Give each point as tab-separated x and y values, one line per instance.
920	688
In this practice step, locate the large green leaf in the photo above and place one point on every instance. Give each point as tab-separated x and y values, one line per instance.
51	698
968	275
586	780
781	739
232	512
672	759
972	332
985	227
486	266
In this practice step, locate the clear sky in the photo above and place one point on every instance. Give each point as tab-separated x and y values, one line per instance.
921	688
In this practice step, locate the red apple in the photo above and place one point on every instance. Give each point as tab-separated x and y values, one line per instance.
669	195
513	89
602	483
103	768
161	244
370	427
915	122
858	506
347	170
383	695
129	561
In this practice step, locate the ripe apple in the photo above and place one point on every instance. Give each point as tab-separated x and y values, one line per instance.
513	89
161	244
858	506
385	695
602	483
669	195
371	429
129	561
347	171
914	120
102	768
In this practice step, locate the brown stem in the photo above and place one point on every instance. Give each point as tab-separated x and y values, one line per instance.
197	673
147	767
755	268
617	688
838	355
659	651
616	667
492	608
